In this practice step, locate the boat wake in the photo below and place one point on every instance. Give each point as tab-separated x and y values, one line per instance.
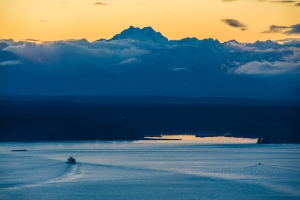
266	176
75	172
72	173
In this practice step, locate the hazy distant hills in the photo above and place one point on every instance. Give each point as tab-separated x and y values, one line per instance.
143	62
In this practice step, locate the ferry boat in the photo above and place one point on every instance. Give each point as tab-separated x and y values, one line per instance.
71	160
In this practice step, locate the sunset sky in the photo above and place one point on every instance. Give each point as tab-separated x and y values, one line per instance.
242	20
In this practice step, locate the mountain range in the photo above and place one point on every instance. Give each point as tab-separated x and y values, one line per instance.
141	61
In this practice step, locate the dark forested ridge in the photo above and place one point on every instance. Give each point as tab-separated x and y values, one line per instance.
64	120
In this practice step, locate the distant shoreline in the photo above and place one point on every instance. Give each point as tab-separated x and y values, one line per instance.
19	150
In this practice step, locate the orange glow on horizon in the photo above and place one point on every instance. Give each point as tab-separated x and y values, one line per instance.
209	140
60	20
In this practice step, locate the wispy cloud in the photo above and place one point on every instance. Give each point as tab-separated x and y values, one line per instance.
96	52
246	48
31	40
179	69
283	1
268	68
288	40
128	61
288	30
235	23
276	29
44	21
100	4
297	3
272	1
11	62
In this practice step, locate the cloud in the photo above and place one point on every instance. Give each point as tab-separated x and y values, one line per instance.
276	29
295	57
288	30
94	52
287	53
244	47
31	40
128	61
273	1
291	41
100	4
11	42
278	1
286	39
235	23
295	29
268	68
238	47
11	62
283	1
179	69
43	21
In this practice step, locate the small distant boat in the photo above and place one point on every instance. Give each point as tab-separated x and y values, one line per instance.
71	160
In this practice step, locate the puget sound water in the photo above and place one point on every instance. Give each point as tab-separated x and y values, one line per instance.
150	169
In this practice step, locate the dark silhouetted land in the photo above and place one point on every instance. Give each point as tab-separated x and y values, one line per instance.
58	120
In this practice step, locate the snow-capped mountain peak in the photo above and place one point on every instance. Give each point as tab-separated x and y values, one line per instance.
144	34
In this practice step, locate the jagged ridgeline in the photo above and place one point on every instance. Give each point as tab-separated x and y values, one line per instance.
144	62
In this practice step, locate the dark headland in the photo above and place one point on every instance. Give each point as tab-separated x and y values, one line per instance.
44	118
19	150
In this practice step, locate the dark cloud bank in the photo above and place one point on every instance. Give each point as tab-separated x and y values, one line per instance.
144	62
288	30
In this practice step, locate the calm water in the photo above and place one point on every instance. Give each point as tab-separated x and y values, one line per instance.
149	170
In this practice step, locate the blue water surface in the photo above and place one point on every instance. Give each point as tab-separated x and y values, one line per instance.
149	170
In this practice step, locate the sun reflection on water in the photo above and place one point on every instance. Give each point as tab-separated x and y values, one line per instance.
193	138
